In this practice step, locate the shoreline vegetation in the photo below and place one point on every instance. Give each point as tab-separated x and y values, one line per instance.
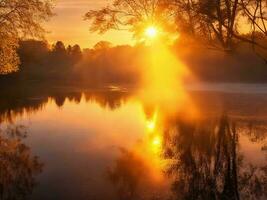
105	64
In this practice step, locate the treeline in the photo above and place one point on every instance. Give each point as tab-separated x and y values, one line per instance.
244	64
39	61
104	64
11	108
100	65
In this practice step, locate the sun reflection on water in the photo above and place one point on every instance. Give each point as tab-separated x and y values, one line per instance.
162	95
151	123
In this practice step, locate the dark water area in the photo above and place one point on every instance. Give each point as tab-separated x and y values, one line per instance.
106	143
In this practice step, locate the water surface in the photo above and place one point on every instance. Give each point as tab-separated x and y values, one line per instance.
105	143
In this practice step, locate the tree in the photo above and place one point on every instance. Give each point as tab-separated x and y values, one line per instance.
32	51
69	48
212	21
221	22
102	45
217	23
9	60
132	15
255	13
18	19
59	48
75	53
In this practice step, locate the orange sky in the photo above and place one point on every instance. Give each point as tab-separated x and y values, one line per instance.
68	25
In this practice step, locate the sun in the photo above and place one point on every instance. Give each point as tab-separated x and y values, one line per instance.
151	32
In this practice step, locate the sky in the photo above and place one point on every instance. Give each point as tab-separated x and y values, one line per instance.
68	25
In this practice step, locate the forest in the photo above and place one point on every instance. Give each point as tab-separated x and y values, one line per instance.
107	64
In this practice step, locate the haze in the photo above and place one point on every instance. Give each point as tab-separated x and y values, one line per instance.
68	25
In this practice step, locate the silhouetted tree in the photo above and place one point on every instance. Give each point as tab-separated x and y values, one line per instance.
32	51
218	23
255	13
102	45
133	15
60	61
59	48
75	54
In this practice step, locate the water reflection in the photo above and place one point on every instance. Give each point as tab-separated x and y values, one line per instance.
30	99
18	167
203	159
162	154
18	100
206	162
137	172
127	174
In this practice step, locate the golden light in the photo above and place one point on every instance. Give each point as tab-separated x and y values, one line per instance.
156	141
151	125
156	144
151	32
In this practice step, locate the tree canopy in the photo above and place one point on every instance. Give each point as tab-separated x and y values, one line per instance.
218	23
132	15
20	19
